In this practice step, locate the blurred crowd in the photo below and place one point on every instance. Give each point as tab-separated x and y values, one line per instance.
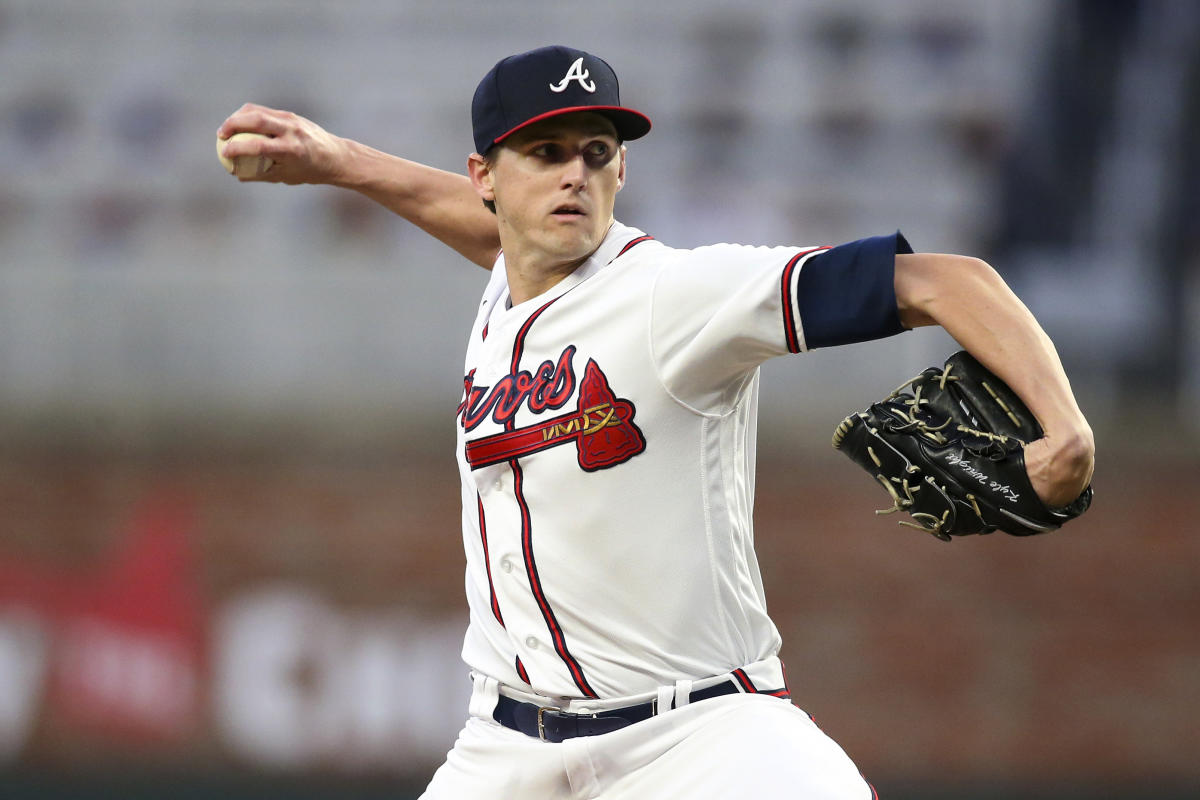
141	286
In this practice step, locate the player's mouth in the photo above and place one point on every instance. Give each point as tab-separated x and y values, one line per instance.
569	211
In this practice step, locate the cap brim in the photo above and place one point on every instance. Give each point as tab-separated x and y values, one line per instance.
630	124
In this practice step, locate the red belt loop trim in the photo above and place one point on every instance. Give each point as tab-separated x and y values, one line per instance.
744	680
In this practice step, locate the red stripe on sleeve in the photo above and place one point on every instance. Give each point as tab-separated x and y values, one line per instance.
790	331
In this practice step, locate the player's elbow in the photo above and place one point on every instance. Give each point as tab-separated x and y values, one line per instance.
926	283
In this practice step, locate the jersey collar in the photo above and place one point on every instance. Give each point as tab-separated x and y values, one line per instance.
617	237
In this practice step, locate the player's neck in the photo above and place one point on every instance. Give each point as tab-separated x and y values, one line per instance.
527	278
534	269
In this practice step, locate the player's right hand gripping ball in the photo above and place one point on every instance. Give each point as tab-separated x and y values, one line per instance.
951	453
243	166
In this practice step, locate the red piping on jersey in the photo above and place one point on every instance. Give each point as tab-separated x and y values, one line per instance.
487	562
521	671
789	309
535	581
519	342
535	585
631	244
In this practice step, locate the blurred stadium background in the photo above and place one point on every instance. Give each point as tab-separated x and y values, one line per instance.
229	556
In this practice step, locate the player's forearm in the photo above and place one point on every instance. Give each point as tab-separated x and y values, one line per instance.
441	203
972	303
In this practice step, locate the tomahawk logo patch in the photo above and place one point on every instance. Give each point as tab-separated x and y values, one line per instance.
601	426
607	435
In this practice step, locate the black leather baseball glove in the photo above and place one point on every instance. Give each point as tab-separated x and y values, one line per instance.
949	448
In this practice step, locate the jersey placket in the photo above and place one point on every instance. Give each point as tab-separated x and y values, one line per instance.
527	531
527	526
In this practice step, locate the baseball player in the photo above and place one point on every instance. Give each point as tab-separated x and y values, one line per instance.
619	642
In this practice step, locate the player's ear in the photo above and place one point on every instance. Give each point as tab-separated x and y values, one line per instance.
621	174
480	172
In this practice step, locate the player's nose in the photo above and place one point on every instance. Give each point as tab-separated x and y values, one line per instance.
575	172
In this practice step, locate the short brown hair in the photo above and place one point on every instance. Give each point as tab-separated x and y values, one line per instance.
489	158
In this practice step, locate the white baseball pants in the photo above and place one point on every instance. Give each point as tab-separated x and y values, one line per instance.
736	746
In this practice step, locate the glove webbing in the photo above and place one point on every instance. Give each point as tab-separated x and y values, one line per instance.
903	502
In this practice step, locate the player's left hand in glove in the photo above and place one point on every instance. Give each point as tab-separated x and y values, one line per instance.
950	453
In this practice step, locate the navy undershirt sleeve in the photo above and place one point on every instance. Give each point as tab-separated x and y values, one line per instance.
847	293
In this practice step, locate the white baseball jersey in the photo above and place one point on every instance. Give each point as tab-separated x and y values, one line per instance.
607	452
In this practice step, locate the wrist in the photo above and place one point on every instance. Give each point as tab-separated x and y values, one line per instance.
349	165
1071	455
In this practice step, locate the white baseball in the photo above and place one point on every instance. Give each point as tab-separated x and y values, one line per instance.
243	166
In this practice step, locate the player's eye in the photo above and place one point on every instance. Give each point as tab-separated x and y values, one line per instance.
548	151
597	154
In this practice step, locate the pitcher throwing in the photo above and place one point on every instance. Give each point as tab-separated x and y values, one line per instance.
619	641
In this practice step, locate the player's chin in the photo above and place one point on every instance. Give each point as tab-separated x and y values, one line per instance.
574	240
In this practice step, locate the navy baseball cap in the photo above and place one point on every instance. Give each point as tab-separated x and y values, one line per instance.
523	89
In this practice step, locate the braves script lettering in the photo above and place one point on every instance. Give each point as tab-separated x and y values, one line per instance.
983	480
548	387
601	426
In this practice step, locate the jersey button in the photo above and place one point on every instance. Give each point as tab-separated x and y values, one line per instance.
531	643
506	564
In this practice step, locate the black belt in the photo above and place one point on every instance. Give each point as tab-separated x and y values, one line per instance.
556	725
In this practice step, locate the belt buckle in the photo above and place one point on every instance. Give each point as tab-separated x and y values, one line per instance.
541	724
